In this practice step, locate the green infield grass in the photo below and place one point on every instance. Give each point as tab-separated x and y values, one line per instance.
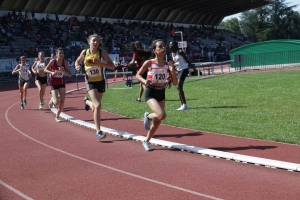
263	105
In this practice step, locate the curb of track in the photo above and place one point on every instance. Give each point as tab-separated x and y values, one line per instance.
188	148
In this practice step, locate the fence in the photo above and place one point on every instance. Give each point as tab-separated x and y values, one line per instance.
270	60
106	74
213	68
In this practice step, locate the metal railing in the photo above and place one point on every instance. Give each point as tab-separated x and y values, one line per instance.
213	68
270	60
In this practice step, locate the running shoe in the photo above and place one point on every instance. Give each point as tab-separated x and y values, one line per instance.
50	104
147	121
57	119
183	107
146	146
138	100
41	106
86	107
180	108
24	102
22	106
100	135
43	103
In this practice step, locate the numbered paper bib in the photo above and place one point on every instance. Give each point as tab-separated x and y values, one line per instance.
159	76
58	74
24	72
41	67
94	71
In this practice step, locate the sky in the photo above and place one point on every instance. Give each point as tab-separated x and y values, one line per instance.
290	2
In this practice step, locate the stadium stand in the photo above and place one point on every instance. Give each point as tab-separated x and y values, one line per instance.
27	37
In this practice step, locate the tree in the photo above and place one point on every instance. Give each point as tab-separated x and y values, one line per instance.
232	25
270	22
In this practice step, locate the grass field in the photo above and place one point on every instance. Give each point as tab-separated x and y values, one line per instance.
253	105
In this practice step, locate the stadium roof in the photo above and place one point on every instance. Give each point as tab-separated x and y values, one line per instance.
202	12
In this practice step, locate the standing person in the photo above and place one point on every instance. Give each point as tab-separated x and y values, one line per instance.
95	61
124	65
158	71
181	63
57	68
41	77
117	64
139	56
24	79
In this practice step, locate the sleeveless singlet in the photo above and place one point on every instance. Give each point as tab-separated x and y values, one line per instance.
58	78
93	72
158	74
24	73
40	66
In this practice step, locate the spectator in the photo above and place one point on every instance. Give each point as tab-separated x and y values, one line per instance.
117	67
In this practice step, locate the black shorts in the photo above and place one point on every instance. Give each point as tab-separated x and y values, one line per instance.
99	85
43	80
118	69
57	87
157	93
183	74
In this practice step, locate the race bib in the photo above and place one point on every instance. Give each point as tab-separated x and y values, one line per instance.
58	74
94	71
24	71
41	67
159	76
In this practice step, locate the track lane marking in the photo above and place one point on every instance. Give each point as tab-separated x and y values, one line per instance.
106	166
15	190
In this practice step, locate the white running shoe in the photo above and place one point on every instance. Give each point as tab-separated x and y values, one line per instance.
146	146
57	119
180	108
183	107
50	104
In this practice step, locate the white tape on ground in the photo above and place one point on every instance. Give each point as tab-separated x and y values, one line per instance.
184	147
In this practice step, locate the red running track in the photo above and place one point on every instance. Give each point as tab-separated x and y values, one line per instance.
42	159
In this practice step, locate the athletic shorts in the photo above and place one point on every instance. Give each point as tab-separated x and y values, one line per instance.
57	87
43	80
21	81
99	85
157	93
183	74
118	69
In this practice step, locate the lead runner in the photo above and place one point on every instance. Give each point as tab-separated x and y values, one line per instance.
95	61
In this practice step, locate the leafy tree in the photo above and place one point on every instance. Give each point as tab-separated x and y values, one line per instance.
271	22
232	25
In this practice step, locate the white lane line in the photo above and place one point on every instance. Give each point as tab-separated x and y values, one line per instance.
9	97
15	191
105	166
184	147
